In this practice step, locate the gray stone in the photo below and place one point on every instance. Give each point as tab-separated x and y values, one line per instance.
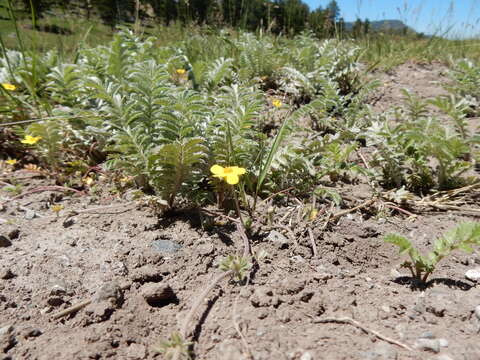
306	356
428	345
57	290
443	342
206	249
109	292
260	332
473	274
4	241
278	239
166	246
385	308
158	295
30	214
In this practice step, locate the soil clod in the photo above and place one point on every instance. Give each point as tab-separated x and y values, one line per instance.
158	295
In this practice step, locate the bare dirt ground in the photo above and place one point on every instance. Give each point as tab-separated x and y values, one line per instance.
425	80
142	273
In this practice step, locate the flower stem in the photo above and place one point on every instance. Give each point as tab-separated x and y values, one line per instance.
241	227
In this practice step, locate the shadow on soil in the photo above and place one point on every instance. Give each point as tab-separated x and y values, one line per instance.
417	285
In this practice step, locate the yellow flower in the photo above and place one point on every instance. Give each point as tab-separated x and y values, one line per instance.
9	87
125	179
57	208
30	140
32	167
181	71
277	103
11	161
88	180
230	173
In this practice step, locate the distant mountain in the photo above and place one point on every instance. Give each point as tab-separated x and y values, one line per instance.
379	25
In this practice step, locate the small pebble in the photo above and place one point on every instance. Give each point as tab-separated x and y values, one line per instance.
30	214
278	239
473	274
110	292
443	342
306	356
57	290
260	332
428	345
166	246
386	308
206	249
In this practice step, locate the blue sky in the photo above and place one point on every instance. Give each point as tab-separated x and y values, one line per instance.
460	17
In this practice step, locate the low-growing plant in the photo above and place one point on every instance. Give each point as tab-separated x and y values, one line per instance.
405	156
239	265
175	347
163	115
463	237
466	76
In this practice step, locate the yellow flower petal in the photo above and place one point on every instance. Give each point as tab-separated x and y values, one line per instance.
9	87
181	71
232	179
277	103
88	180
11	161
230	173
217	169
238	170
57	208
30	140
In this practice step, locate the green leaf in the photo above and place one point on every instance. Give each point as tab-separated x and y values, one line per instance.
402	242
